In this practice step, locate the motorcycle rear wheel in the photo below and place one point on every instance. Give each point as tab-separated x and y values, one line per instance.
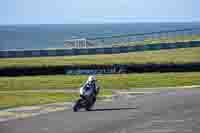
77	106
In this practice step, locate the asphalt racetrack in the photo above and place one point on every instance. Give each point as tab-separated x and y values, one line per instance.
163	112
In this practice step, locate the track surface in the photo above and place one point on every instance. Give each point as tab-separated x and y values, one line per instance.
165	112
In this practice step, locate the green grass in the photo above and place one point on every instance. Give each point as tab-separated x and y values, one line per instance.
117	81
162	40
8	100
184	55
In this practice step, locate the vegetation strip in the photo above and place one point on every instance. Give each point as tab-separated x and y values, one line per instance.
27	99
101	69
175	56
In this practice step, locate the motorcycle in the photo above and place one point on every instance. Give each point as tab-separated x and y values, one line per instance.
83	102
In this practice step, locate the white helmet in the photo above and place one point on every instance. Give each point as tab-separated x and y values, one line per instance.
91	78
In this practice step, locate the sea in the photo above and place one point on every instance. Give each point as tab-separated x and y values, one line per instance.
42	36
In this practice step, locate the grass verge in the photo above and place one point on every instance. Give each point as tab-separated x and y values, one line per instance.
8	100
27	99
184	55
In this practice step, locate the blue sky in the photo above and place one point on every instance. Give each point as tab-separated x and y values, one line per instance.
97	11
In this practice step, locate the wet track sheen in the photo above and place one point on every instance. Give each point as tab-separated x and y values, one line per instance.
165	112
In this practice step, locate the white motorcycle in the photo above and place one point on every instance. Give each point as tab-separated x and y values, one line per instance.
85	102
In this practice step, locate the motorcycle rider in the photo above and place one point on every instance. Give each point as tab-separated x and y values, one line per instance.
90	89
